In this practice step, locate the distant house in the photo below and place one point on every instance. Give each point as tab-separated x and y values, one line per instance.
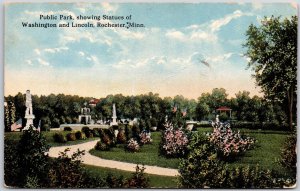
93	102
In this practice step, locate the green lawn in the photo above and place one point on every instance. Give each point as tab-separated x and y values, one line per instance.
148	155
266	151
265	154
155	181
15	136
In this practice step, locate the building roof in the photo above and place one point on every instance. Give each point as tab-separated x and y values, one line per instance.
94	101
224	108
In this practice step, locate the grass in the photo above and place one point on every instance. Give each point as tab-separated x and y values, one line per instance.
155	181
266	152
15	136
148	154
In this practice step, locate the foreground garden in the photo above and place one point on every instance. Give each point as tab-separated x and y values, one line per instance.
215	157
266	154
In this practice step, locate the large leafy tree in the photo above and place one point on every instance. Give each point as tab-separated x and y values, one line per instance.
272	49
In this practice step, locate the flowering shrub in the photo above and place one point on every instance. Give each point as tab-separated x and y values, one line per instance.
174	142
227	142
132	145
145	138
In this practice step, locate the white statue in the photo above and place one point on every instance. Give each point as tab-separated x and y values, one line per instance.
217	119
28	103
28	113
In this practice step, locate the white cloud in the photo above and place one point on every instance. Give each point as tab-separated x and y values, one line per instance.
37	51
219	58
142	63
81	53
176	35
204	36
43	62
54	50
29	62
217	24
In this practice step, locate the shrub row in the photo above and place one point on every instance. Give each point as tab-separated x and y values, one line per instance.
85	133
258	125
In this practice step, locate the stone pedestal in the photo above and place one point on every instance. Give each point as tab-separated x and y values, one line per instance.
29	121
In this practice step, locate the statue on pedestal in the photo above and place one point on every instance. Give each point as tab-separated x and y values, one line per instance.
28	113
28	103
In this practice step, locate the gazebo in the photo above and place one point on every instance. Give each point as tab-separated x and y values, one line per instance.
224	109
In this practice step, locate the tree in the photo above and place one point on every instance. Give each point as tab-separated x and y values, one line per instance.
272	49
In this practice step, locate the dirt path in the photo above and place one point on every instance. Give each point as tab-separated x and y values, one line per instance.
96	161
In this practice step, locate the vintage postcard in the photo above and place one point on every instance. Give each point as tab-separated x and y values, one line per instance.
150	95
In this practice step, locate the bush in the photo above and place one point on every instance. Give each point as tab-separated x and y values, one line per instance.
145	138
95	132
71	137
101	133
45	127
229	143
202	169
55	123
121	137
59	138
114	182
174	142
66	172
32	158
67	129
127	132
88	133
262	126
80	135
106	140
111	134
102	146
136	131
288	153
11	165
132	146
138	179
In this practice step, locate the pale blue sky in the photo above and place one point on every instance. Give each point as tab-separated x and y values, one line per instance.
164	57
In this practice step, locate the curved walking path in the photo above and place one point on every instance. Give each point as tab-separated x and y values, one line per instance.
96	161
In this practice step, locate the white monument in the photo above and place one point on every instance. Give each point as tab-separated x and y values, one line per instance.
217	119
28	113
114	117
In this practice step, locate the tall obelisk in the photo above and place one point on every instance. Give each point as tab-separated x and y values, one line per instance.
114	117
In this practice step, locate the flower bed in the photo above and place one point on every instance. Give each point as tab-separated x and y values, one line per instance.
227	142
174	142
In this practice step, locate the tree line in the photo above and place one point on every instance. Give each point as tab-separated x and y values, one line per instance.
54	110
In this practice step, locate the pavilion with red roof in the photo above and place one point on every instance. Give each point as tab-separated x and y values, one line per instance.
224	109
